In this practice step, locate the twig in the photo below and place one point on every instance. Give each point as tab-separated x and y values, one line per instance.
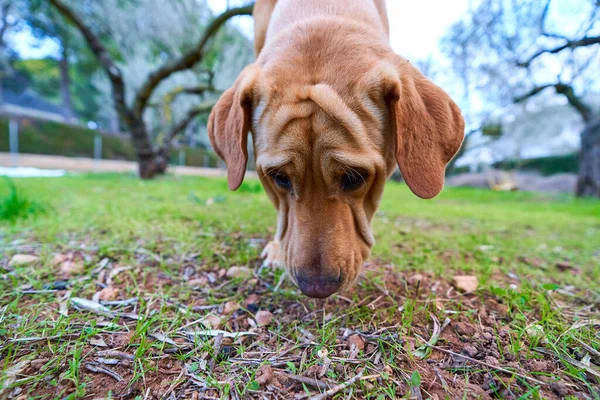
438	373
569	360
97	368
115	354
338	388
507	371
308	381
177	382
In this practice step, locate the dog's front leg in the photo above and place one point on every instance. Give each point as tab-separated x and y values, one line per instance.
272	254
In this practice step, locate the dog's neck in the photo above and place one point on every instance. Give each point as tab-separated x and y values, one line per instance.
291	12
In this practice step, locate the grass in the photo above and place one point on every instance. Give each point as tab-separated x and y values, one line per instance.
162	250
13	205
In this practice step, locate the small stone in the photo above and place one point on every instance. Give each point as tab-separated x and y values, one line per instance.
465	283
198	282
357	341
263	318
560	389
22	259
471	351
487	336
492	360
239	272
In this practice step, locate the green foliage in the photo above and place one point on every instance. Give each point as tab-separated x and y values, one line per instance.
14	204
544	165
43	75
492	130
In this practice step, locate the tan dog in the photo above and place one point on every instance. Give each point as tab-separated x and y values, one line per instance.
332	111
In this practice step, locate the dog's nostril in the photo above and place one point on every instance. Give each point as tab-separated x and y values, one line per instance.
318	285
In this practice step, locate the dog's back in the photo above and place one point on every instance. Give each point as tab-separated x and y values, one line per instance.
274	16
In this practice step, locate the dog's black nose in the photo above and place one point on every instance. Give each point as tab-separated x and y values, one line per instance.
318	285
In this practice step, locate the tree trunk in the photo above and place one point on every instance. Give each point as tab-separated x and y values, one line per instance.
65	84
151	162
588	182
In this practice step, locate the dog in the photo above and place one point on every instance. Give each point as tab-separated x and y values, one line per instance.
333	111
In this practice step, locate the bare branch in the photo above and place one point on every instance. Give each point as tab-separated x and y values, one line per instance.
202	108
102	55
198	90
139	134
566	90
571	44
4	20
187	61
533	92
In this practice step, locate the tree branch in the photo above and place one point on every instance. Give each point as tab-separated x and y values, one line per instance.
170	97
202	108
102	55
571	44
139	135
533	92
566	90
187	61
4	19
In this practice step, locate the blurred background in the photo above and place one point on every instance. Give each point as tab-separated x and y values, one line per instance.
116	85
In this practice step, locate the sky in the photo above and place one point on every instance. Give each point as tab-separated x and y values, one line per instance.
415	29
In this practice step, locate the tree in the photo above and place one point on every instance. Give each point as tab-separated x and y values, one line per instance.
514	52
152	160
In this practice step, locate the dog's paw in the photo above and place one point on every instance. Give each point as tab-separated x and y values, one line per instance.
271	255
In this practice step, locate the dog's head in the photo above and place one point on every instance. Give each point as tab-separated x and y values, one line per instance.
325	147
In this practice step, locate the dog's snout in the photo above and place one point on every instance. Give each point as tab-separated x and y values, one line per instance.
317	284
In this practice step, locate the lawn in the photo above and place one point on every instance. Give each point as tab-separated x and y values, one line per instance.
132	294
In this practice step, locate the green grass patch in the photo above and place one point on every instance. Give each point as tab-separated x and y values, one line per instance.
162	249
14	205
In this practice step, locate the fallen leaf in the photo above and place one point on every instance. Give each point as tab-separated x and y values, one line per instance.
98	341
264	374
10	375
159	336
217	332
357	341
253	299
89	305
69	264
199	282
22	259
564	266
465	283
212	321
230	307
107	294
263	318
239	272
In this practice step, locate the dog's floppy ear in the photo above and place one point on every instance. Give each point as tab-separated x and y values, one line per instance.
229	124
427	126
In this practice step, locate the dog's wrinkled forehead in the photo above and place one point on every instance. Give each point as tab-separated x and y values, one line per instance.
300	116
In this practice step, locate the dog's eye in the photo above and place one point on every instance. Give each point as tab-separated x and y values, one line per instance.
352	180
283	181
